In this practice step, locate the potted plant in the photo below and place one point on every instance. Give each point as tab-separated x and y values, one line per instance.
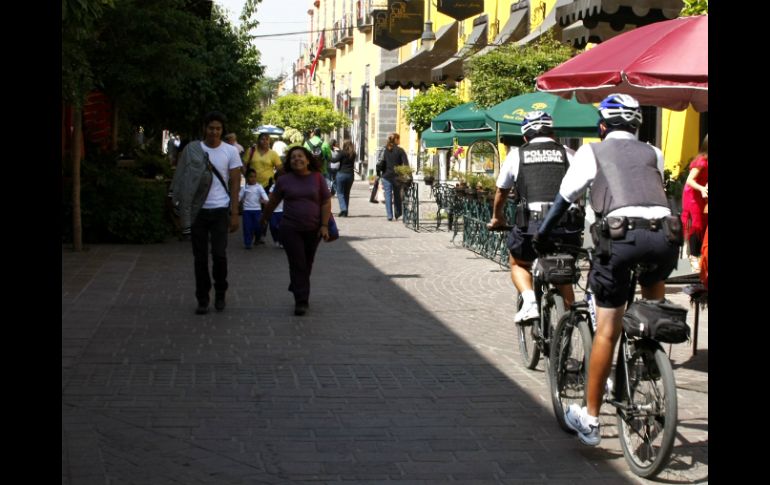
404	174
488	186
429	174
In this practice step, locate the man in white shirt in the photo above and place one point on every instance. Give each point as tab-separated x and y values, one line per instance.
536	169
218	214
634	226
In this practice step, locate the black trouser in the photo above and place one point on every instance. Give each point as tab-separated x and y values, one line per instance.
214	223
300	247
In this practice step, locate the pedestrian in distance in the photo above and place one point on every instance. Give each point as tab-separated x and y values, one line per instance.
344	179
252	196
392	156
536	169
232	139
205	189
634	226
306	213
323	152
694	199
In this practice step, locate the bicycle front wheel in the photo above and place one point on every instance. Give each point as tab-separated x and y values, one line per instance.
528	349
647	429
568	370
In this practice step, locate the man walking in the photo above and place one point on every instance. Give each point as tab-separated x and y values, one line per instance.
205	188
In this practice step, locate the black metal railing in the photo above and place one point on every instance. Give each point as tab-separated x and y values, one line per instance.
410	204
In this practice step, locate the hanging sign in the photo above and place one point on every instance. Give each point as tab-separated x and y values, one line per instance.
399	25
461	9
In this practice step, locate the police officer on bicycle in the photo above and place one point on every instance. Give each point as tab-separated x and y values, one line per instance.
536	168
633	226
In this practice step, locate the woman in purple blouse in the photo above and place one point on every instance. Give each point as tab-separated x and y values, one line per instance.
306	210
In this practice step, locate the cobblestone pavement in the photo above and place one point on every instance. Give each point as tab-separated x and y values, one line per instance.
405	369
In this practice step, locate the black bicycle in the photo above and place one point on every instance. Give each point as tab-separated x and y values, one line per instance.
535	334
644	393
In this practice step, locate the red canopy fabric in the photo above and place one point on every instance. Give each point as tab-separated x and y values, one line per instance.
662	64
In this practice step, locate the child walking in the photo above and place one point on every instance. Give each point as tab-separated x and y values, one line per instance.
275	221
253	196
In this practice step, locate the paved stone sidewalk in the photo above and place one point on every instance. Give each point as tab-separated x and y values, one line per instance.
406	369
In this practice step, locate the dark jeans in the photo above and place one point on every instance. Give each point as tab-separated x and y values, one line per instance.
300	247
213	223
344	183
392	191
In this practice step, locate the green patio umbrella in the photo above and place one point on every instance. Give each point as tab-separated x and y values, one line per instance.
467	116
433	139
570	118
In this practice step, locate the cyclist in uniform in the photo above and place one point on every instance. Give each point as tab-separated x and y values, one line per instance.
536	168
633	226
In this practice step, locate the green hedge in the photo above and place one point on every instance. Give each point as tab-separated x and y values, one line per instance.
117	207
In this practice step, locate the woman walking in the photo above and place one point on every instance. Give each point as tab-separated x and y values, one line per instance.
346	158
393	155
694	200
306	212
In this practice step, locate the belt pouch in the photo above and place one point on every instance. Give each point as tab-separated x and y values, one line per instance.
672	228
602	243
617	227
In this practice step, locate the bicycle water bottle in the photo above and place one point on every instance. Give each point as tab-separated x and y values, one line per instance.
591	308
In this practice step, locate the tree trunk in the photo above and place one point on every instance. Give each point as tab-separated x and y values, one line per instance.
75	151
115	126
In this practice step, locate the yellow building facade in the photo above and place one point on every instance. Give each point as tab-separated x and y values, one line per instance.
349	63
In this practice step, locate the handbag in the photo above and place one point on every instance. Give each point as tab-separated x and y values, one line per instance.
334	232
375	187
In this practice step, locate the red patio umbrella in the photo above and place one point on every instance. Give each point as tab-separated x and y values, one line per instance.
662	64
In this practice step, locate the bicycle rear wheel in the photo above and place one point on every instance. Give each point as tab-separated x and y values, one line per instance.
568	370
647	432
551	310
528	349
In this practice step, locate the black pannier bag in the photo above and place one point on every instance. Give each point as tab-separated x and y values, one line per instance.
661	320
558	269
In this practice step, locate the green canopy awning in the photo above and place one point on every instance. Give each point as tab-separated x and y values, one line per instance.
433	139
467	116
570	118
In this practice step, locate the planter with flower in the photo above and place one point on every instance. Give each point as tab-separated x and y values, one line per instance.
404	174
429	174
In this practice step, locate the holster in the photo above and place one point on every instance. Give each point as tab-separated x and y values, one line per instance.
602	242
616	227
521	216
672	228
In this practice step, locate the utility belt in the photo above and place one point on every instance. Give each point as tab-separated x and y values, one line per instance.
604	231
573	219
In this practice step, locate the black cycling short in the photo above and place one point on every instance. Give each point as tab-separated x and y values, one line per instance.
520	242
609	281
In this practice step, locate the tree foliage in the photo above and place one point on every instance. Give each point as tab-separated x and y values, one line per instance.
511	70
305	112
166	66
79	28
695	7
428	104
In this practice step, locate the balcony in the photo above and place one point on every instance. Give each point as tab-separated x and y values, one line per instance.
338	29
346	34
364	15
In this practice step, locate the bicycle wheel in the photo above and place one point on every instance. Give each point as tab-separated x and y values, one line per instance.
551	311
530	352
568	373
646	432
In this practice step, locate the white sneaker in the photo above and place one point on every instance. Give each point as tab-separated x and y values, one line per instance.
527	312
586	427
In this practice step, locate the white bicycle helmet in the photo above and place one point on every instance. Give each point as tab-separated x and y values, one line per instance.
621	110
536	123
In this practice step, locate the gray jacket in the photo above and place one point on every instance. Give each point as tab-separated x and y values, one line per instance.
191	182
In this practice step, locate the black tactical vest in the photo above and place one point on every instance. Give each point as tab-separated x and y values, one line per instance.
541	168
626	174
